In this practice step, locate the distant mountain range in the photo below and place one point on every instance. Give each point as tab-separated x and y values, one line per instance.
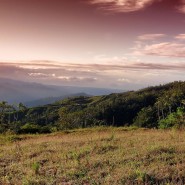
50	100
14	91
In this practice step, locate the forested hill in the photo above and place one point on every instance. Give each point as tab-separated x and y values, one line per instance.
154	107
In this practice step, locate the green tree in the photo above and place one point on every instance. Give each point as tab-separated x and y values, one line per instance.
70	120
176	119
5	111
145	118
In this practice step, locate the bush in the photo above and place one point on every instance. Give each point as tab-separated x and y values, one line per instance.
30	128
146	118
2	128
45	129
175	119
169	122
15	127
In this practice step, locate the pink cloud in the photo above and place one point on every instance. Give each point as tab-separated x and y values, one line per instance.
181	8
151	36
180	37
165	49
175	48
123	5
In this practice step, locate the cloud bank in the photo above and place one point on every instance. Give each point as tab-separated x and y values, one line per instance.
127	75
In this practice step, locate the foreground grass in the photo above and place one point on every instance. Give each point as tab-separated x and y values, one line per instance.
94	156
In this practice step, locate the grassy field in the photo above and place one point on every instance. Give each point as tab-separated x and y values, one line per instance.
94	156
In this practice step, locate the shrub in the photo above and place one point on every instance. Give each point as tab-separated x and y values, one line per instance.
45	129
30	128
175	119
36	167
145	118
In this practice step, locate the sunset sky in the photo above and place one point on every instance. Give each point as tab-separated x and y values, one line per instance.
124	44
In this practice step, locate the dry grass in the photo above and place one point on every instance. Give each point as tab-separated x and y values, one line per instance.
94	156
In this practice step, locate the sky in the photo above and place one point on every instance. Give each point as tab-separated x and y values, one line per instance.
121	44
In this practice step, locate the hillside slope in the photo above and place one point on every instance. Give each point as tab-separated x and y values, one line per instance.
161	106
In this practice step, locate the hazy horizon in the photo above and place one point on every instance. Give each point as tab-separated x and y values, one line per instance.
118	44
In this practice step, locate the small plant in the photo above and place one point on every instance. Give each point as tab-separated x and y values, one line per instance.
14	138
36	167
112	137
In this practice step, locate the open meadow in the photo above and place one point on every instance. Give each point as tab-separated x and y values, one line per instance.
94	156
